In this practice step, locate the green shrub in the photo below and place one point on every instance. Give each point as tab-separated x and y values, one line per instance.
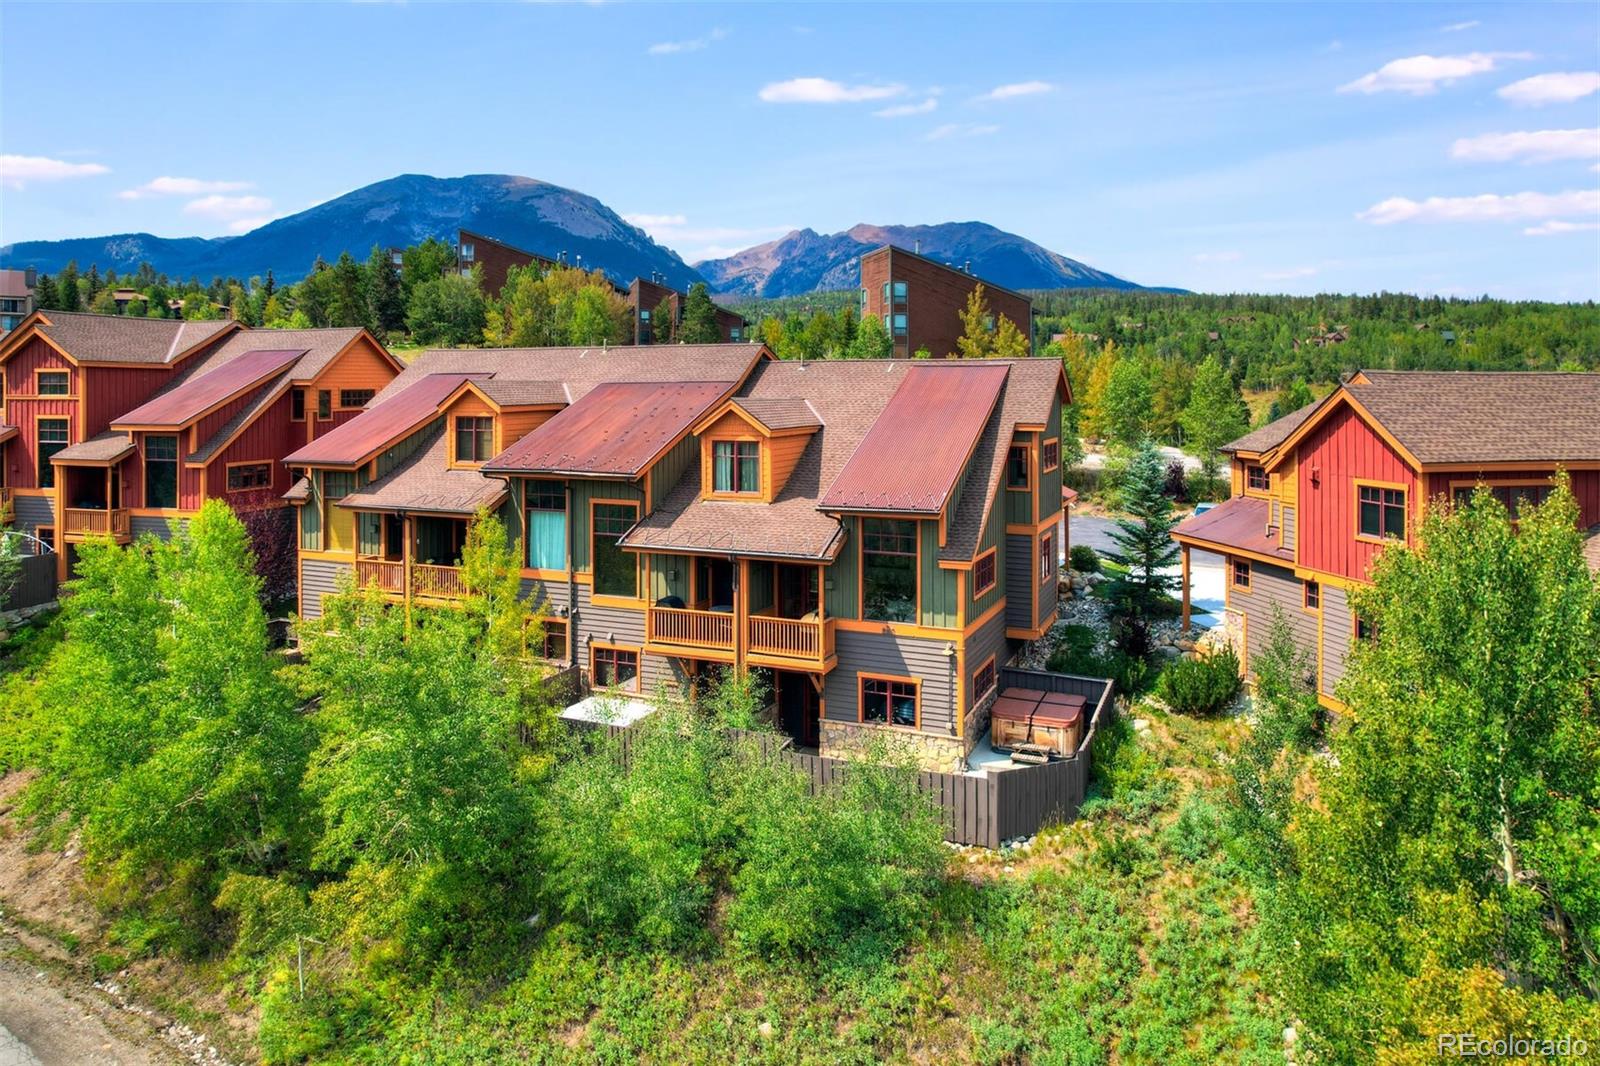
1201	686
1084	559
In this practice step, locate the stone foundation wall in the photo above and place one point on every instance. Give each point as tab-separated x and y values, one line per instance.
930	751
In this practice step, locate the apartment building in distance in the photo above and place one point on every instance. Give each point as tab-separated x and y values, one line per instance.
1320	492
494	258
920	301
121	426
16	297
650	299
880	536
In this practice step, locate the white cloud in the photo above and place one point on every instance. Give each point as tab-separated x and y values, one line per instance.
1560	88
1486	208
1529	146
1556	226
958	129
1422	75
1291	273
702	242
825	91
1016	89
18	170
647	221
1457	27
666	48
902	110
181	187
227	207
1217	257
245	225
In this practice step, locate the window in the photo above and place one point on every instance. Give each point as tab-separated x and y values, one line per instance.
52	438
349	398
1255	478
1047	555
546	503
983	575
735	333
988	323
553	645
863	301
615	571
467	252
614	667
324	404
249	476
161	472
1239	573
736	466
899	326
1365	630
644	315
983	681
474	439
54	383
297	405
1017	467
899	292
47	534
1512	497
889	570
886	294
1311	596
1382	512
1049	455
892	702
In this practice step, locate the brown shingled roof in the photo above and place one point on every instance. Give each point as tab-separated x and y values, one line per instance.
121	339
105	447
512	393
1267	437
779	412
423	482
1486	416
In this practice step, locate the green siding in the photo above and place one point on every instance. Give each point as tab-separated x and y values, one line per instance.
1050	484
940	588
393	457
993	537
369	533
1019	505
669	470
310	525
760	591
667	575
583	493
840	576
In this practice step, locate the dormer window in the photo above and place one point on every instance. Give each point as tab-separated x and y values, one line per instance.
1255	478
474	439
736	466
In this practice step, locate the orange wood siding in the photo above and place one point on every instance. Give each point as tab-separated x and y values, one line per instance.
1332	459
514	425
782	454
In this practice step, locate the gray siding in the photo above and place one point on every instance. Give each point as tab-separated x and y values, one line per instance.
1019	580
1049	585
988	640
1336	634
161	528
1289	516
885	653
34	511
318	578
1274	589
621	626
552	592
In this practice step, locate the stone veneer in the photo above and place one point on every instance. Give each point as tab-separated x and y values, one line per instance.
930	751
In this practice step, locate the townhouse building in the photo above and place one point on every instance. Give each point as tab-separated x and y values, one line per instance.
16	297
1320	492
920	301
650	300
878	536
120	426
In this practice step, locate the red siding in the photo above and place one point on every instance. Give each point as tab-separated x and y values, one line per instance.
268	438
1585	486
36	355
1332	458
22	450
114	391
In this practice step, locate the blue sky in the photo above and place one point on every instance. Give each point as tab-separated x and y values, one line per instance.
1449	148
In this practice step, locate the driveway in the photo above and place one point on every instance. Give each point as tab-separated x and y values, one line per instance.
1097	459
1205	568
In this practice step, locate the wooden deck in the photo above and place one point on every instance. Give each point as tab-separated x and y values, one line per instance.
428	583
786	643
81	523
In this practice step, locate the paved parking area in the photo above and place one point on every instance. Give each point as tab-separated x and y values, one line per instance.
13	1052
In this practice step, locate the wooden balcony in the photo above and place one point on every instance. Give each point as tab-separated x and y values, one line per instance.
8	506
427	582
80	523
390	577
682	631
800	643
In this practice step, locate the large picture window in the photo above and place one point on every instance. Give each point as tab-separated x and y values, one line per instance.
614	667
474	439
889	701
1512	497
1382	512
161	472
52	438
889	570
736	466
547	524
243	477
615	571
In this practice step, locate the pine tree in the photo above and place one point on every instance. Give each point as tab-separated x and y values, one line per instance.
386	309
67	296
699	317
46	296
664	322
1145	550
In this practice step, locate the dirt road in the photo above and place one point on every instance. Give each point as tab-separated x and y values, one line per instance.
50	1026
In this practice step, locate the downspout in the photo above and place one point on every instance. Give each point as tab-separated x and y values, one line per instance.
572	585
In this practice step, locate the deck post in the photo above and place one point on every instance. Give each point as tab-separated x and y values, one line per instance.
741	614
405	564
1184	624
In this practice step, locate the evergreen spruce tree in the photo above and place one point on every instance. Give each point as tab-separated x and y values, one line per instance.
699	317
67	288
46	296
386	308
1145	550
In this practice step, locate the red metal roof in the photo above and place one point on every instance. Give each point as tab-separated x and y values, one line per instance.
912	456
616	428
202	393
370	431
1239	523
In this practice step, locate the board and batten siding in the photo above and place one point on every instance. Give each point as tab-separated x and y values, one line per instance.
1274	589
584	493
886	654
670	468
1337	626
1047	580
839	579
1018	581
940	589
993	537
318	578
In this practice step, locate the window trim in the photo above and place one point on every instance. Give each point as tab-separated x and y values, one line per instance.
1357	484
888	722
1310	590
1049	565
1027	450
345	406
1356	622
638	662
229	468
38	385
916	572
455	439
978	696
43	462
1266	479
1047	466
1491	484
547	621
1234	563
297	397
177	470
527	525
761	462
611	598
992	555
324	405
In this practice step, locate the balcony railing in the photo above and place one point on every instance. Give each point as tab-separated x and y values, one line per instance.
790	638
427	581
685	628
388	576
80	522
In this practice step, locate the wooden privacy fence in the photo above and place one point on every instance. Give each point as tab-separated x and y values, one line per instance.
985	809
36	583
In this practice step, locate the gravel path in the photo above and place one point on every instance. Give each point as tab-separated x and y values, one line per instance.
43	1025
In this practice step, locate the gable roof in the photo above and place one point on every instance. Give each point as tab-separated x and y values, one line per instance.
119	338
618	428
199	394
779	412
423	481
352	443
1267	437
1239	523
912	457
